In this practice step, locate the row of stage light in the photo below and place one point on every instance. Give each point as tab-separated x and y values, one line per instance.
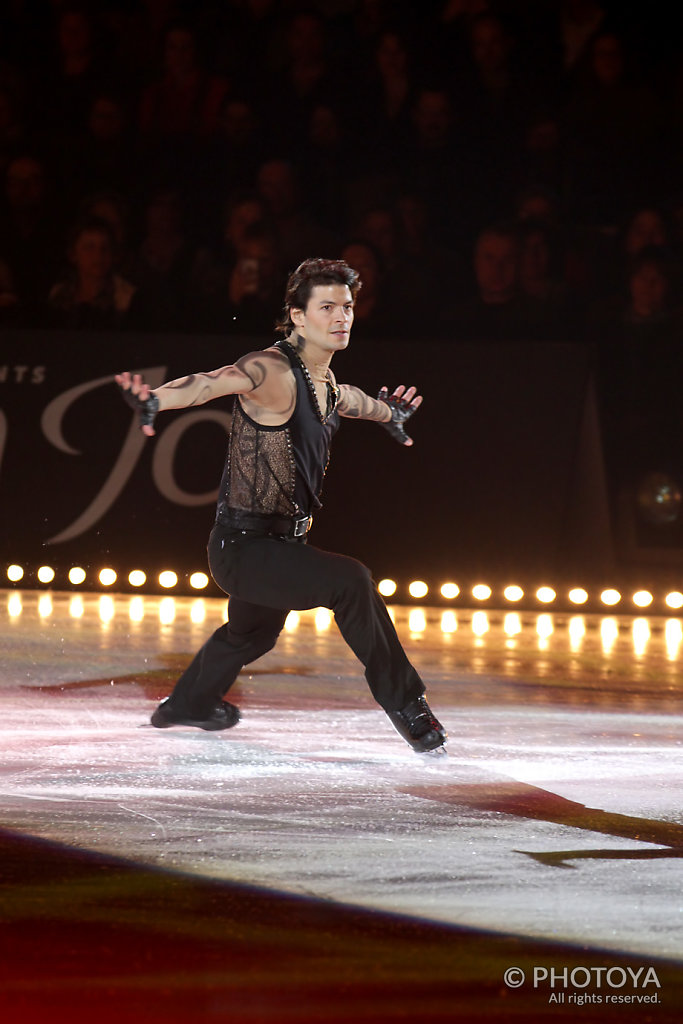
417	590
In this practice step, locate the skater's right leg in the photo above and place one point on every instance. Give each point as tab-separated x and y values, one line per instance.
250	631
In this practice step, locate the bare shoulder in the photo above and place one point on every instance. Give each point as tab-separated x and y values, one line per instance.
273	387
263	367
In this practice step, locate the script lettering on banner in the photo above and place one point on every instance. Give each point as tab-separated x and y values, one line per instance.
133	445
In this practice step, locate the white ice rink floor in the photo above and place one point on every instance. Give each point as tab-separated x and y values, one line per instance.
556	814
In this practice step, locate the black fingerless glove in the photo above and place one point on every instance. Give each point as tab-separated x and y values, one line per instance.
400	412
146	410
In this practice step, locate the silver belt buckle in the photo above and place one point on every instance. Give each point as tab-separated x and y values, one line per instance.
302	526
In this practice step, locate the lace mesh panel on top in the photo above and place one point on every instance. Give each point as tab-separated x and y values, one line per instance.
261	471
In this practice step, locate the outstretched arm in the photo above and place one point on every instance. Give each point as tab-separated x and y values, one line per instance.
252	374
390	410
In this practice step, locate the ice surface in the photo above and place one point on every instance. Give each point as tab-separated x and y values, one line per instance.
555	815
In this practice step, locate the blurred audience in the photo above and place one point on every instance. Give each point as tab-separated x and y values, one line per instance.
31	228
396	133
90	295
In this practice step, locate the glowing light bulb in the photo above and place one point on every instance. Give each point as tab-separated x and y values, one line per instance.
577	595
46	574
107	577
137	578
642	598
168	579
481	592
76	575
199	580
546	595
513	593
418	588
450	590
674	599
15	573
610	596
387	587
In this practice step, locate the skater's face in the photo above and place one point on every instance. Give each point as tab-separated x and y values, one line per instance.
326	321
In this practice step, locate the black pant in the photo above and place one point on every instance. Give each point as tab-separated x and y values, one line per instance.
267	577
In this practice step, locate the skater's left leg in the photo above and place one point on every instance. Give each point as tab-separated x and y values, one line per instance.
306	577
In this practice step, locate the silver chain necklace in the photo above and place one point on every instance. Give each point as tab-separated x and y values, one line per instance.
332	389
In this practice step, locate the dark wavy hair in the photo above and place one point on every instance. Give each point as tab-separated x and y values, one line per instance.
304	279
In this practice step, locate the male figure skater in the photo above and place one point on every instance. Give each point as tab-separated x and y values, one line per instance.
286	410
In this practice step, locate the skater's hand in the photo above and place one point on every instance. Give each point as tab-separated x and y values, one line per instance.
140	398
402	403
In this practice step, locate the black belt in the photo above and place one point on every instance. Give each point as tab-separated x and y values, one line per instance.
266	526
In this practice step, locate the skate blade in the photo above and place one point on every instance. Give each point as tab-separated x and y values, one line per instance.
437	752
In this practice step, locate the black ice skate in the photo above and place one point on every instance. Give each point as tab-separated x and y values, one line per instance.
417	724
223	716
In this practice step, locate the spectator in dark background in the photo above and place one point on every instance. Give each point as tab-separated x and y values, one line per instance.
101	156
298	233
249	292
496	309
185	100
640	363
289	97
435	162
180	109
578	23
325	165
91	295
493	100
114	209
31	232
236	149
644	312
77	72
554	313
646	227
542	150
375	315
388	93
162	262
215	261
640	228
614	130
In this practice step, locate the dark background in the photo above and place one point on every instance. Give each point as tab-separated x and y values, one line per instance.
544	416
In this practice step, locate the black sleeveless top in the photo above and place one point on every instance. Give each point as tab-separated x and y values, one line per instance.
280	470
